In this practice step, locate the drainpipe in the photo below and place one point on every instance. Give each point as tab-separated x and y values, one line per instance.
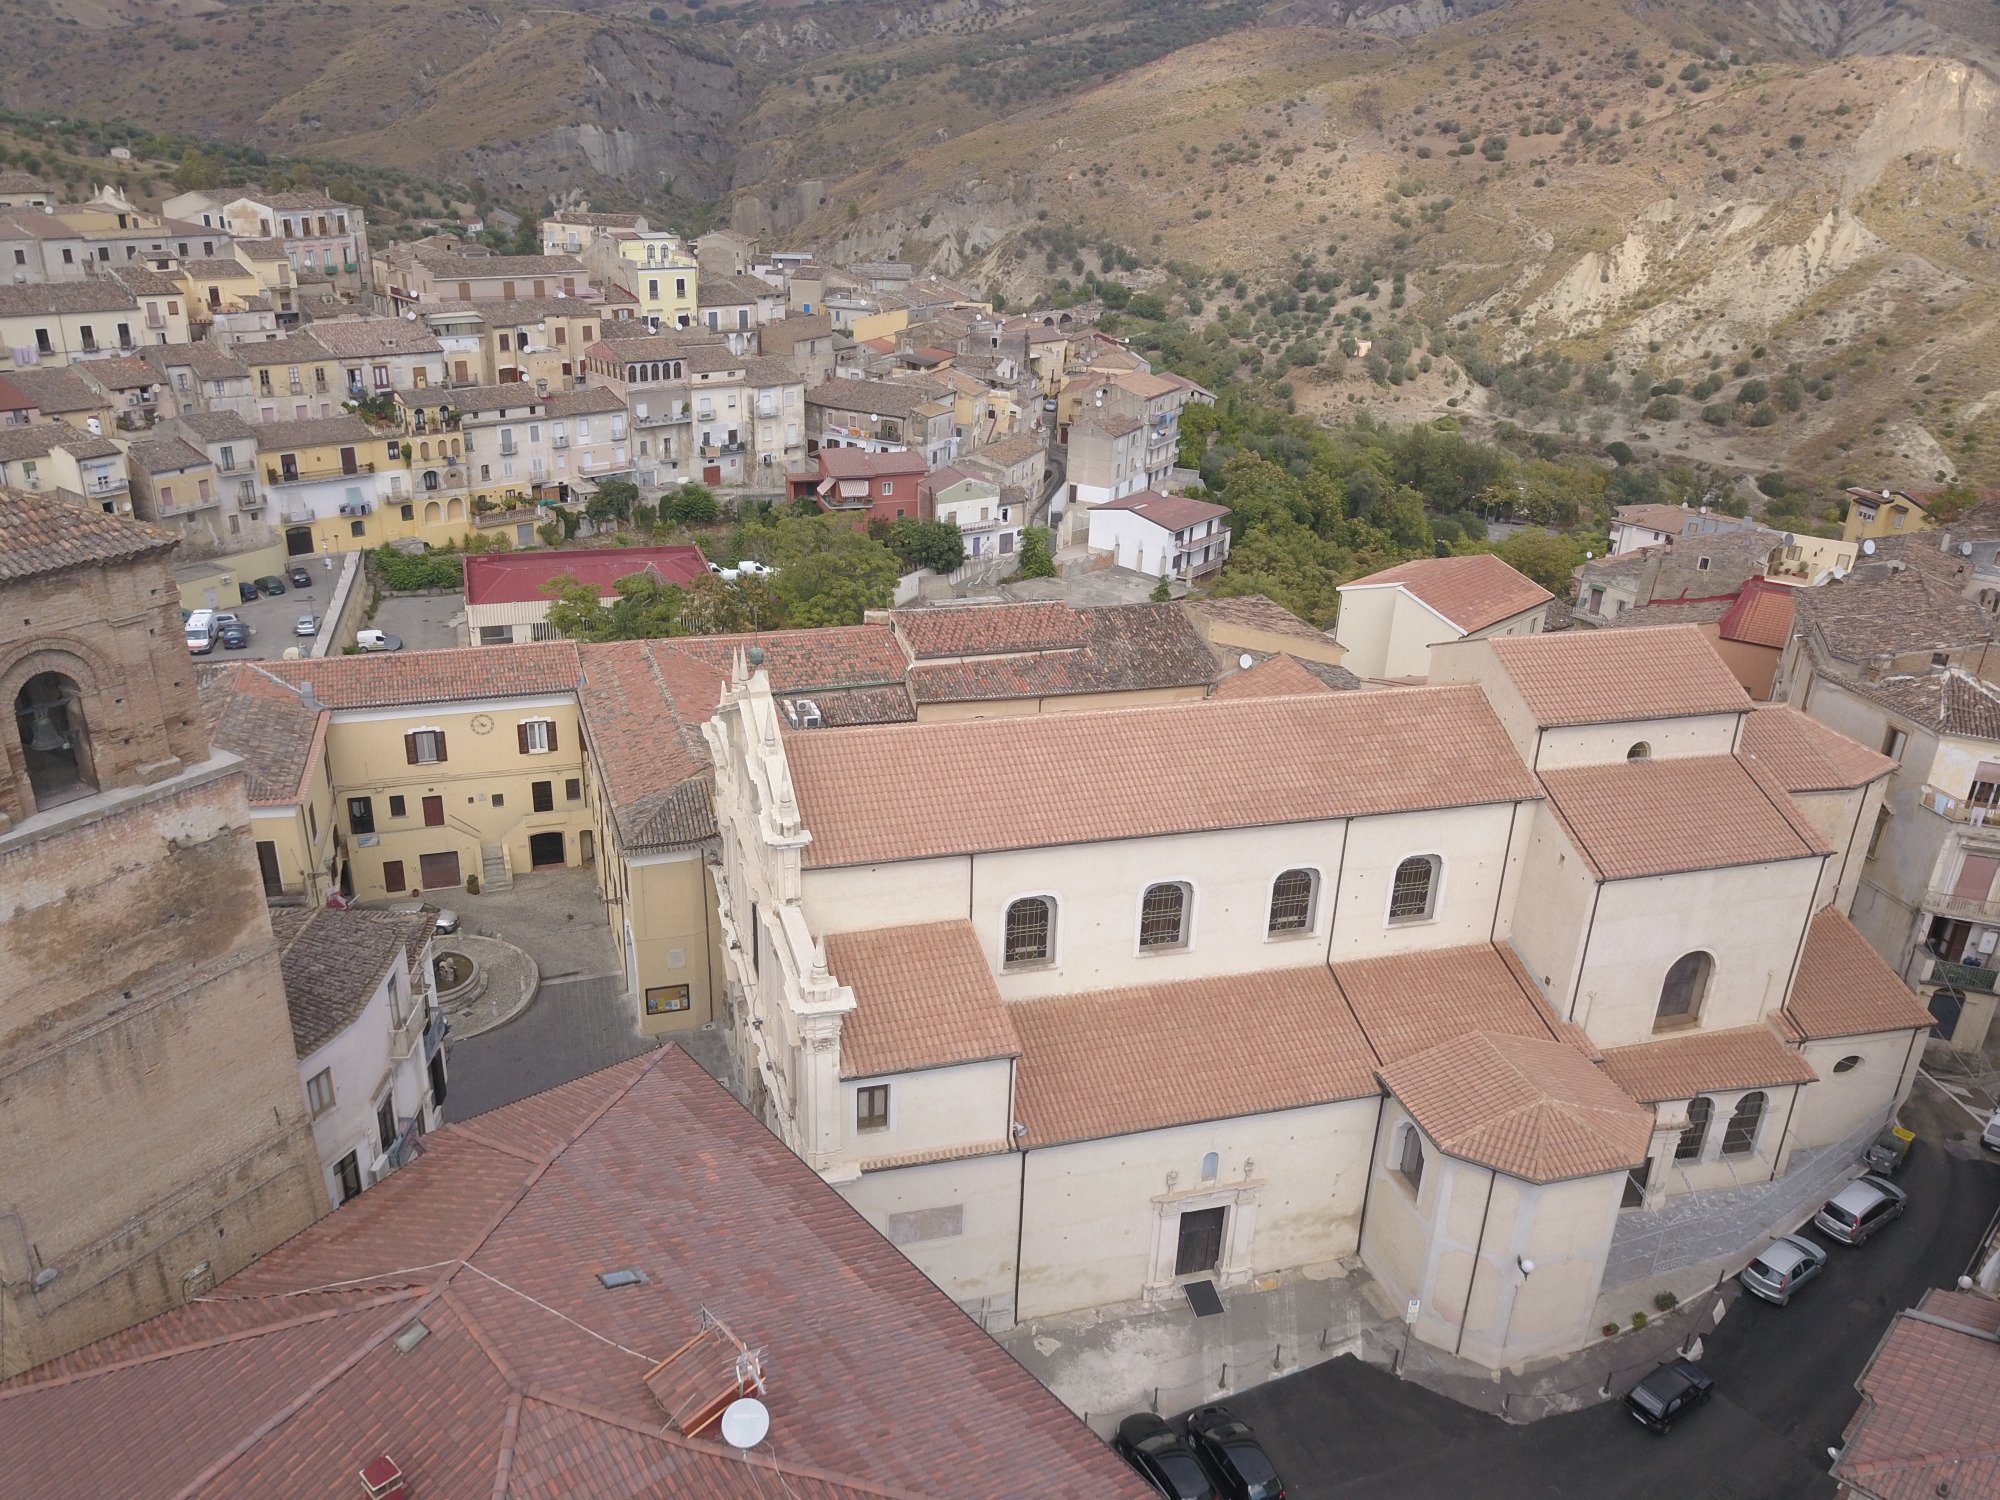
1583	958
1500	890
1790	1110
1477	1251
1020	1226
1339	873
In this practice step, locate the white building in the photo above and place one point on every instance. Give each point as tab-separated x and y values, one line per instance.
1166	536
1457	983
369	1037
990	524
1390	620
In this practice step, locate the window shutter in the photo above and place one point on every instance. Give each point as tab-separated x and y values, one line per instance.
552	734
440	735
521	736
410	748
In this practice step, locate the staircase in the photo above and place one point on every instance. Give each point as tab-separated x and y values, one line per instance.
493	876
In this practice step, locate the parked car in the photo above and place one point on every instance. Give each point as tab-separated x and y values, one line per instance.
1890	1151
1668	1394
245	592
271	584
1857	1211
227	617
1990	1136
199	628
447	919
1782	1267
234	637
377	640
1230	1452
1165	1457
308	625
301	578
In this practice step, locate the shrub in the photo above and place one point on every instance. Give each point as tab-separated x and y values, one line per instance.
1609	1330
1717	414
472	885
1666	1301
1638	1321
1662	409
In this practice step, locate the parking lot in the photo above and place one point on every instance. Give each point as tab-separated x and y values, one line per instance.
1784	1389
272	621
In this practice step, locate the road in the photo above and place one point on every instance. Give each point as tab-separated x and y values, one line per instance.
1785	1390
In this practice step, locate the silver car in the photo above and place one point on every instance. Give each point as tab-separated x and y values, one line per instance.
1784	1265
446	919
1854	1213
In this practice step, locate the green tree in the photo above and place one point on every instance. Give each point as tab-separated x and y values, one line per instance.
691	505
1163	592
644	609
1544	556
195	171
1037	555
612	502
827	572
937	545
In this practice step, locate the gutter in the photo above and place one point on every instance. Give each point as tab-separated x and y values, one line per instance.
1479	1249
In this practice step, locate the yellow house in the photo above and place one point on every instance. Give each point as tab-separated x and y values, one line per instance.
293	379
1879	513
887	323
220	285
663	275
338	485
63	321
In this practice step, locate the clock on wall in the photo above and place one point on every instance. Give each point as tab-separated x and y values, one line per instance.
482	723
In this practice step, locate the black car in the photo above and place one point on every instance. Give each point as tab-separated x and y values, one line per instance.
1164	1457
1229	1450
1668	1394
272	585
245	592
234	637
301	578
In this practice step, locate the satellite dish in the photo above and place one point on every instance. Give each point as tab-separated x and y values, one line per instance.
1965	549
1868	547
744	1423
1246	661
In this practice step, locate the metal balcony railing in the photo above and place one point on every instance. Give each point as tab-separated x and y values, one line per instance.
1959	809
1960	976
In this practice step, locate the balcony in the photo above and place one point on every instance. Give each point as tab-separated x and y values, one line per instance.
1960	809
1952	976
306	476
295	514
435	1032
406	1038
559	441
1946	903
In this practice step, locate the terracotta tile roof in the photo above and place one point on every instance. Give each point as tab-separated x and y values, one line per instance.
1744	1057
1845	988
592	401
267	723
207	361
1527	1106
1125	648
1948	701
1111	424
1647	616
55	392
1009	451
1168	512
1928	1423
1471	592
880	397
379	681
1667	519
37	298
1661	817
1583	677
531	1381
924	998
856	463
44	534
1412	1002
361	338
1761	615
1274	677
315	432
166	455
1338	678
1119	1061
119	373
987	629
501	398
1874	612
1257	612
922	790
1803	755
334	962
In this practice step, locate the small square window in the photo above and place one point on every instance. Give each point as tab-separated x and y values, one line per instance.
397	807
499	799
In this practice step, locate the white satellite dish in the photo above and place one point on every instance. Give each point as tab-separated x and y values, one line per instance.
1246	661
1868	547
1965	549
744	1423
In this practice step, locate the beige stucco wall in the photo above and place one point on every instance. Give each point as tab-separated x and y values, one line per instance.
1233	635
1387	633
666	931
1841	1103
1770	1149
1101	1215
1844	818
932	1109
974	1267
1550	919
1665	739
1748	919
856	898
366	753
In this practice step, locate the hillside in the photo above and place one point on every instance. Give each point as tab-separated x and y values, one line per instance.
1583	216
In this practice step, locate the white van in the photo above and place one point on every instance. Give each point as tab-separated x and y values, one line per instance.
200	628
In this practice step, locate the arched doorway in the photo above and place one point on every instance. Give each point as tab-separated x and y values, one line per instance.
49	719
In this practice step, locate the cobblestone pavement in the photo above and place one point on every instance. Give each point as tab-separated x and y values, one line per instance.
575	1027
426	622
557	916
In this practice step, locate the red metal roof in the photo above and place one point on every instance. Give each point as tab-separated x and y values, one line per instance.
520	577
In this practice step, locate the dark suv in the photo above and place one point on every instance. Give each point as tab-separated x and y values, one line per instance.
1668	1394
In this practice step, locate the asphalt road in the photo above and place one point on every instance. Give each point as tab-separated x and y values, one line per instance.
1784	1376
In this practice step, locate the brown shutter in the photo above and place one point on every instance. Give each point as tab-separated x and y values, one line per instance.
410	748
521	736
552	734
440	735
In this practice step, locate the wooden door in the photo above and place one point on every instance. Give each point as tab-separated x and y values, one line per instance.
393	877
1200	1241
433	812
439	870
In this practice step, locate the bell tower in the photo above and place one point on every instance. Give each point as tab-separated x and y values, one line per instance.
149	1090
